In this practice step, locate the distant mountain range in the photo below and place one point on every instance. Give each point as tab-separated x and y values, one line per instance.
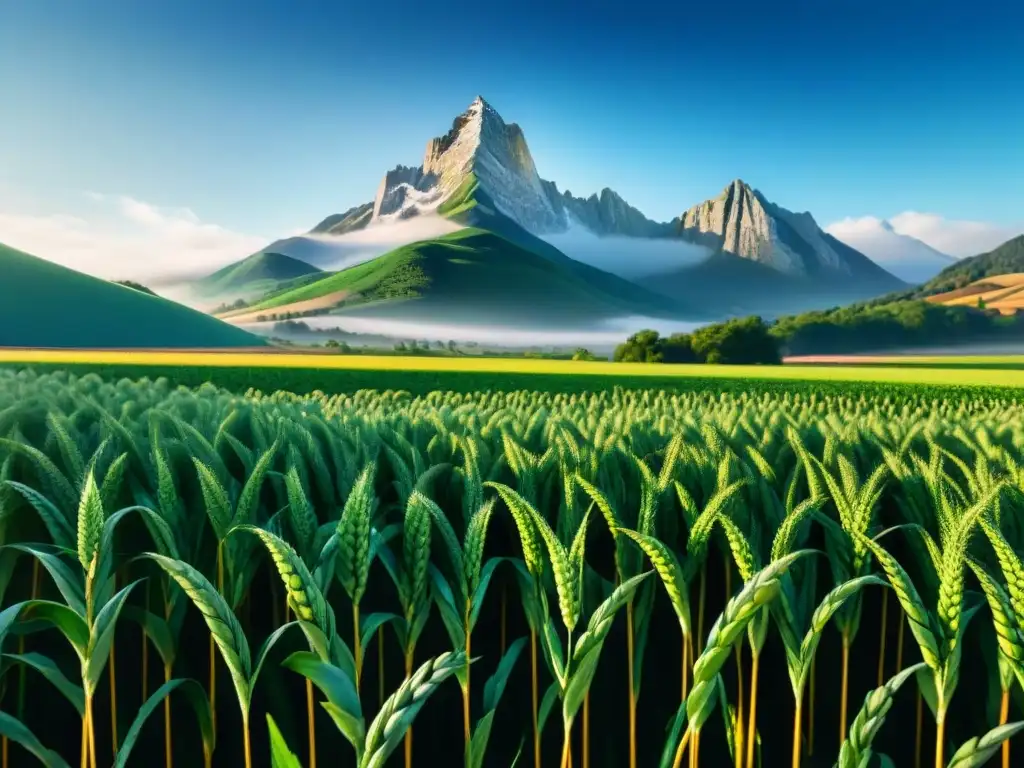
906	257
735	253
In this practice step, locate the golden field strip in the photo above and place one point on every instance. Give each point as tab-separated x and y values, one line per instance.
905	370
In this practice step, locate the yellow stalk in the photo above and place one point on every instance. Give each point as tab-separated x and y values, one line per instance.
1004	714
738	730
798	723
247	741
92	731
755	665
84	761
940	740
168	752
678	761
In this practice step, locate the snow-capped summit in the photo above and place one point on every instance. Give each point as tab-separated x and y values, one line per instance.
480	148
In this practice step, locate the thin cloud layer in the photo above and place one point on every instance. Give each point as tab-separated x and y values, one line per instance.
906	257
628	257
955	237
125	238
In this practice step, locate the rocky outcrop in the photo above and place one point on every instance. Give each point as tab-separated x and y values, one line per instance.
606	214
350	221
394	192
740	221
482	144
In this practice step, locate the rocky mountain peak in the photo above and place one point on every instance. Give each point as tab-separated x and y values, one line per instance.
741	221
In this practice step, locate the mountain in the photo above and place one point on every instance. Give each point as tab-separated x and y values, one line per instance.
49	306
470	276
481	174
252	277
906	257
742	222
351	220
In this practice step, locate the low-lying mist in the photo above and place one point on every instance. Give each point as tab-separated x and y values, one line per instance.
628	257
334	252
600	337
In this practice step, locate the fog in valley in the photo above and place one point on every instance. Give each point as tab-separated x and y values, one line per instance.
600	338
628	257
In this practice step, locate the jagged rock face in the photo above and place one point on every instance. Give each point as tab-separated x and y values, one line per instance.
393	194
481	143
742	222
607	214
350	221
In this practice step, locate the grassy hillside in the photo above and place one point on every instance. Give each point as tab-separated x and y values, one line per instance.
1003	293
469	276
1007	259
471	206
46	305
256	275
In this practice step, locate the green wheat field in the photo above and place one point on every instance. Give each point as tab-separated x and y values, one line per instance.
406	568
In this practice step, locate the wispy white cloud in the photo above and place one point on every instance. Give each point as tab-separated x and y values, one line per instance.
119	237
956	237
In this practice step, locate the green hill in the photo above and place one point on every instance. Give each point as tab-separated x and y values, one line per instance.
1007	259
469	205
254	276
471	275
46	305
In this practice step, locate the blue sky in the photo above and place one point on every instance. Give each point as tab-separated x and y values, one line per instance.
261	121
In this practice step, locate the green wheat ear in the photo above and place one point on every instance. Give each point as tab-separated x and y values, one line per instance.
354	535
669	571
90	523
304	595
397	713
977	751
220	619
519	508
856	750
757	592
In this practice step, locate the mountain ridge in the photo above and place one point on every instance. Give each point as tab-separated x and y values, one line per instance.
481	173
